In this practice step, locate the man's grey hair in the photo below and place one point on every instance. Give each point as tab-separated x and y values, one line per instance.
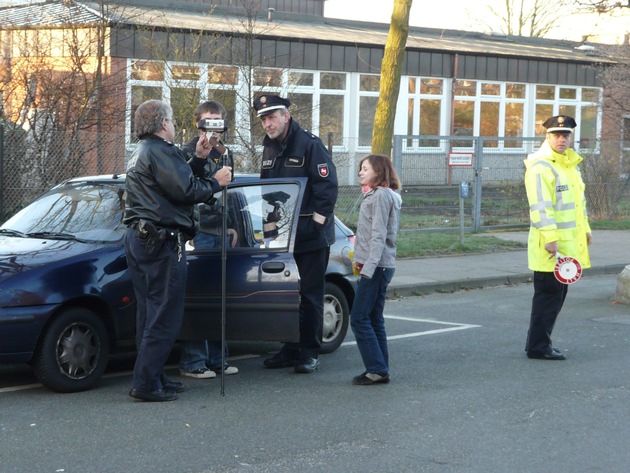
149	117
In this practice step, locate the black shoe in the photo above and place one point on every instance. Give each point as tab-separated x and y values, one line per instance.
280	360
307	365
550	355
153	396
367	379
174	386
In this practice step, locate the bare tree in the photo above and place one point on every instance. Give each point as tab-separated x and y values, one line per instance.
533	18
60	87
607	170
602	6
391	68
237	67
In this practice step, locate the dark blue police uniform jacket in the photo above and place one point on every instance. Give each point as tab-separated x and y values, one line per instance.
303	154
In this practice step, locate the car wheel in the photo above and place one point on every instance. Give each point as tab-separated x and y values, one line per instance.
336	318
72	353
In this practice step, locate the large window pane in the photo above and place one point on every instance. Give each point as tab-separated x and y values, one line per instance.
590	95
489	122
369	83
568	110
301	78
430	116
225	75
588	127
267	77
490	89
410	122
147	70
139	95
184	101
463	122
302	109
332	81
183	72
430	119
411	85
513	123
431	86
545	92
465	88
515	91
566	93
331	118
543	111
367	110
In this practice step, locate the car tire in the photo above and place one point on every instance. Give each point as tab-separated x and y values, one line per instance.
72	353
336	318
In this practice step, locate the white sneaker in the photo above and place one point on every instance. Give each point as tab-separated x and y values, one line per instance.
228	370
202	373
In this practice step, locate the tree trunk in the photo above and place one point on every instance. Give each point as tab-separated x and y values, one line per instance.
390	78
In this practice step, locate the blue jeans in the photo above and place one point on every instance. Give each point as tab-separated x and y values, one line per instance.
206	241
199	354
367	321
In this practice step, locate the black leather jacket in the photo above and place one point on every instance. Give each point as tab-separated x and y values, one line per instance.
163	187
303	154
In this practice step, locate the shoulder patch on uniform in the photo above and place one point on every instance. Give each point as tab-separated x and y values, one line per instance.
322	169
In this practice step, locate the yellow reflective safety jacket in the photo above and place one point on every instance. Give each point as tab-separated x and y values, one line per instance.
557	207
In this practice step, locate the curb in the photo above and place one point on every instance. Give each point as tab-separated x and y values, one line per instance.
423	289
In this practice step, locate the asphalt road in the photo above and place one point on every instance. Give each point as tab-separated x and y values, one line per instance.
463	398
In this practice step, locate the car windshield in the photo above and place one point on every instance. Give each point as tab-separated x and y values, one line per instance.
84	211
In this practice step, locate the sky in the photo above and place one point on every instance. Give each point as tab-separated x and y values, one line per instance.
466	15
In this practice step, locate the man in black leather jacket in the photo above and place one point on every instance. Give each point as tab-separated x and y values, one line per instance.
290	151
162	189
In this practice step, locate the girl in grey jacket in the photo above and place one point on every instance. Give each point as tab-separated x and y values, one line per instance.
375	260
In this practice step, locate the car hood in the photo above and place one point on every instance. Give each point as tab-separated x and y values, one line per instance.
18	255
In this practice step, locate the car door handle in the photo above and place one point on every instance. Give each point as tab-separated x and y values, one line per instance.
273	267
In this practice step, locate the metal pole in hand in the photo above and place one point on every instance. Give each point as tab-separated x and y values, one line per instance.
223	273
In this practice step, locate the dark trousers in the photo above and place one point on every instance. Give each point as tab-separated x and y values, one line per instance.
312	269
549	296
159	284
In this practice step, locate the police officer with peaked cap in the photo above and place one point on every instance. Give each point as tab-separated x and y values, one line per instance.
290	151
558	225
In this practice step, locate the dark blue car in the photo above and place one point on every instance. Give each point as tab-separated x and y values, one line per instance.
66	298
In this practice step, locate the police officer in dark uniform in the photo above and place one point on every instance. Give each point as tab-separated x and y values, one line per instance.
290	151
161	190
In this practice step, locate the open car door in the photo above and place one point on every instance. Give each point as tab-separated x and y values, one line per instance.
262	281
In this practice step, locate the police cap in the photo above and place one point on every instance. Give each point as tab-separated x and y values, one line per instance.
265	104
560	124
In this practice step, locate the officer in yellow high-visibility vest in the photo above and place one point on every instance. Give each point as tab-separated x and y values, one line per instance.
558	224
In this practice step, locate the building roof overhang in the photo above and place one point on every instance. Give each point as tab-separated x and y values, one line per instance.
304	28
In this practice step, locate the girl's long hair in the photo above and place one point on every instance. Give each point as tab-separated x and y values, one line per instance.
386	175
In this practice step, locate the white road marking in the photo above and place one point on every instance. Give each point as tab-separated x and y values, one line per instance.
453	327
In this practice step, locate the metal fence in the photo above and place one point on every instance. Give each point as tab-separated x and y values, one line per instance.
432	169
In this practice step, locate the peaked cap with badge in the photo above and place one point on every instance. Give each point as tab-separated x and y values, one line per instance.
265	104
560	124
